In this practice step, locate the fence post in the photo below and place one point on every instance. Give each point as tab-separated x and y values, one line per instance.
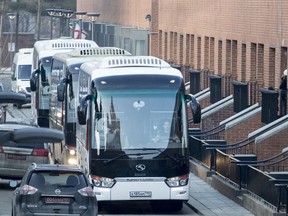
194	81
215	88
269	111
240	95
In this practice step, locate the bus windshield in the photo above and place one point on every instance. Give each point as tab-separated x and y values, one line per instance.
136	119
46	63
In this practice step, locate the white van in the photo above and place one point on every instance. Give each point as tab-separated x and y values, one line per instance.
21	72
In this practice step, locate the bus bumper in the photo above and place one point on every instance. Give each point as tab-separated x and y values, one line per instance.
142	191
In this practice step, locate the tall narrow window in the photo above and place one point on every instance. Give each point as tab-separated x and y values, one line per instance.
212	54
181	53
198	52
187	51
228	57
206	52
234	58
220	59
243	63
271	78
253	62
165	46
192	51
260	64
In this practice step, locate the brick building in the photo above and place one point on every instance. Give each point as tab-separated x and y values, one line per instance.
244	41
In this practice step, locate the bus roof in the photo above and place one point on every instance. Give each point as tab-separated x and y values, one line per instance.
128	65
80	55
63	44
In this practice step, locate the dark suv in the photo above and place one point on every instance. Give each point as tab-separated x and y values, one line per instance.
48	189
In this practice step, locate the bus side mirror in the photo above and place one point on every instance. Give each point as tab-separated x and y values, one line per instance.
61	89
33	80
82	109
13	77
195	108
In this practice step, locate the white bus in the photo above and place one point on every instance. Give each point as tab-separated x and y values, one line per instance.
123	102
21	72
64	88
41	67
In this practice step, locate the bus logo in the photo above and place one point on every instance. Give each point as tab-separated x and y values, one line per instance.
140	167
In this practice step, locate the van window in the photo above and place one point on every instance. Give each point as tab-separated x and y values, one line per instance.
24	71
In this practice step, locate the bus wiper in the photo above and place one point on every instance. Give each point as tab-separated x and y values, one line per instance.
122	155
115	158
168	155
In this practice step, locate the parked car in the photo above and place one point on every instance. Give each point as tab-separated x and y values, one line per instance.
9	97
22	145
48	189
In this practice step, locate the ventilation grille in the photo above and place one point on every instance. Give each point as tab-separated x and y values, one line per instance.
100	51
136	61
69	45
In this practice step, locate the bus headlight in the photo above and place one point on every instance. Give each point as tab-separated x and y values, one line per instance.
102	182
72	161
72	151
177	181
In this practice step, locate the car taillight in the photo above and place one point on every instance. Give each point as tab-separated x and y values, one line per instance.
27	189
1	149
40	152
87	191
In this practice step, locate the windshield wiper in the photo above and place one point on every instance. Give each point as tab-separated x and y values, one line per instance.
168	155
122	155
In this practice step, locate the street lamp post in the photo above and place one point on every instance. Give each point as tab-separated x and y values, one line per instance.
148	18
51	13
55	13
93	17
80	15
59	13
67	14
11	47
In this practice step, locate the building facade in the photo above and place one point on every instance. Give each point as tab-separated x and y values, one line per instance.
235	40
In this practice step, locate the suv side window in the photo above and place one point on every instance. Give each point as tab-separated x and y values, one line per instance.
37	180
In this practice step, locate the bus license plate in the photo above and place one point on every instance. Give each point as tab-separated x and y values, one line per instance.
140	194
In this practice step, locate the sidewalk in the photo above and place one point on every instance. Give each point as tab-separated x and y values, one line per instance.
209	202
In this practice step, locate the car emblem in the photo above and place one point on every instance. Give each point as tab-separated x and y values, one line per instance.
57	191
140	167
